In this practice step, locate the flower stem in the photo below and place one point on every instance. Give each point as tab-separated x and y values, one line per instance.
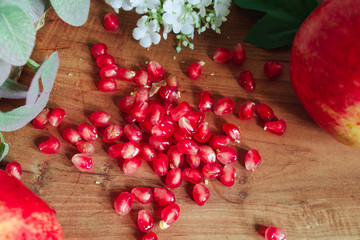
32	64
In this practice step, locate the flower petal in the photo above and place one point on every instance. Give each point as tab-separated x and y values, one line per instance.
145	41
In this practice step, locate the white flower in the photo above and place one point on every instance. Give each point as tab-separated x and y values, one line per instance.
141	6
147	32
221	7
117	4
176	16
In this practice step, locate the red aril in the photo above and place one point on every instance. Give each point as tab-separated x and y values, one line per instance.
139	111
212	170
87	132
226	155
56	116
264	112
193	175
50	146
126	104
107	85
176	158
126	74
276	127
168	94
273	68
159	143
164	197
157	113
187	126
207	154
203	133
163	129
222	55
239	54
206	101
196	116
195	70
174	178
168	106
147	152
155	70
169	215
172	81
100	118
219	141
227	176
145	221
98	49
105	60
112	133
142	78
86	147
180	110
130	150
40	121
188	146
114	150
132	133
82	162
252	159
246	80
179	135
110	22
275	233
72	136
161	164
142	95
143	195
129	118
109	71
123	203
150	236
200	194
131	165
247	110
232	132
224	106
193	160
14	169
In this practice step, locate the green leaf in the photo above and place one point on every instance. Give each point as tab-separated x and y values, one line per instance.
5	70
20	116
17	35
72	12
33	8
13	90
4	147
281	22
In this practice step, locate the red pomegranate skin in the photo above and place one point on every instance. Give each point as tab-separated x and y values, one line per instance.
23	215
325	68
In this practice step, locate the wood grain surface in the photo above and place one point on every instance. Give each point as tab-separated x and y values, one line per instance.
308	184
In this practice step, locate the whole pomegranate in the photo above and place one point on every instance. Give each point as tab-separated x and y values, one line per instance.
325	68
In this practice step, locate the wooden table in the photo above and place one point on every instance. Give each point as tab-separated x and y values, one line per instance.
308	184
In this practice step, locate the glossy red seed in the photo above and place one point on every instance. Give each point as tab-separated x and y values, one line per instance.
147	152
156	114
193	160
114	150
126	104
168	94
112	133
50	146
159	143
273	68
188	146
82	162
145	126
72	136
145	221
169	215
172	81
142	78
224	106
131	165
129	118
193	175
98	49
219	141
109	71
111	22
143	195
142	95
132	133
222	55
239	54
276	127
187	126
247	110
150	236
139	111
252	159
56	116
107	85
14	169
161	164
180	110
168	106
123	203
174	178
86	147
246	80
195	116
40	121
206	101
195	70
176	158
126	74
155	70
179	135
100	119
130	150
232	131
105	60
87	132
203	133
200	194
212	170
207	154
163	129
264	112
226	155
275	233
164	197
227	176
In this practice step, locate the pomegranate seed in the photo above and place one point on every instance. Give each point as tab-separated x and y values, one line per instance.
114	150
239	54
168	106
193	175
139	111
159	143
132	133
164	197
40	121
99	49
161	164
232	132
195	69
142	95
174	178
72	136
276	127
14	169
105	60
127	103
145	126
147	152
247	110
86	147
252	159
100	119
222	55
180	110
206	101
172	81
129	118
123	203
143	195
176	158
156	86
224	106
226	155
109	71
169	215
157	114
87	132
273	68
163	129
142	78
168	94
212	170
112	133
188	146
107	85
200	194
264	112
203	133
227	176
207	154
219	141
179	135
126	74
246	80
110	22
130	150
196	117
275	233
187	126
150	236
131	165
56	116
193	161
50	146
155	70
82	162
145	221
